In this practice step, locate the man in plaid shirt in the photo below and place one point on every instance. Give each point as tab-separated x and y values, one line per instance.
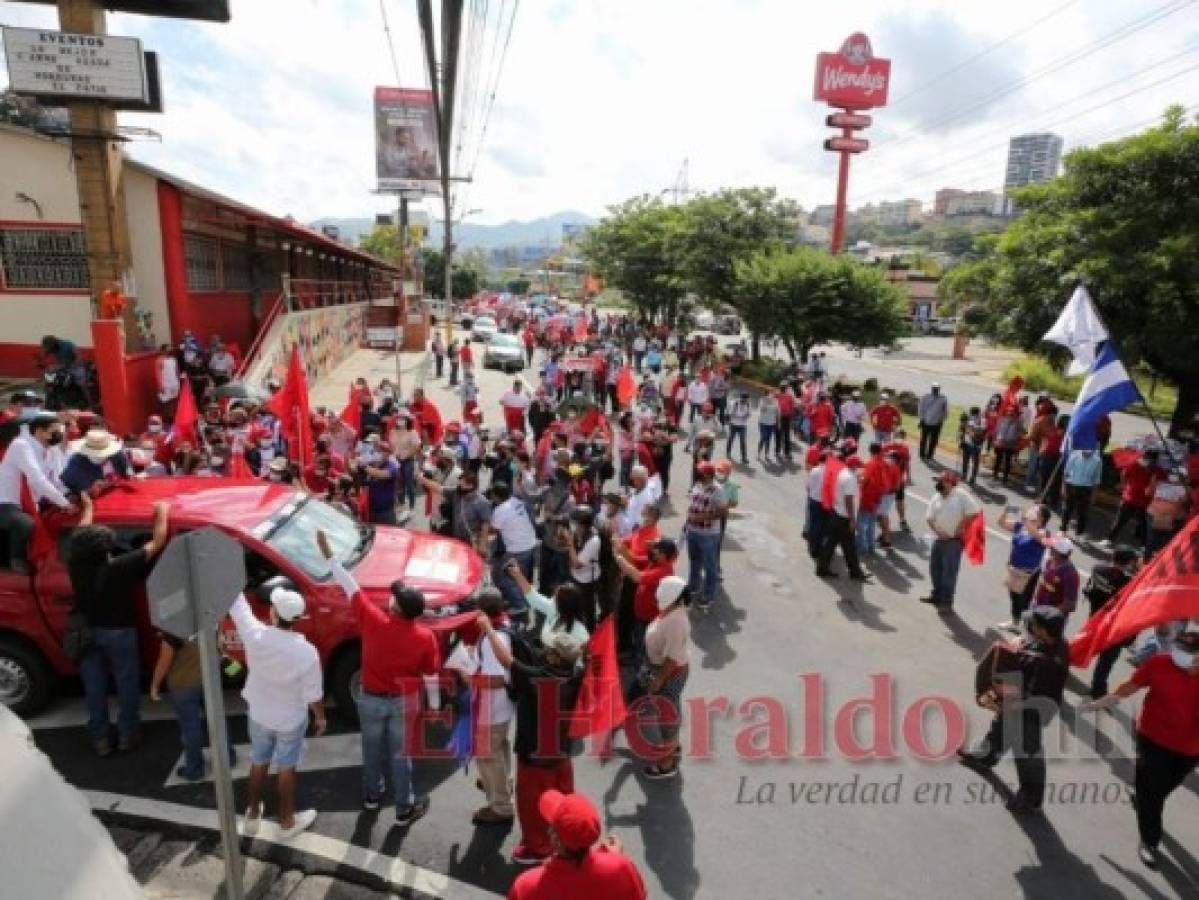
705	509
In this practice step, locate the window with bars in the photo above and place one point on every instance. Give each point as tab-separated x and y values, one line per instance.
203	264
43	259
235	267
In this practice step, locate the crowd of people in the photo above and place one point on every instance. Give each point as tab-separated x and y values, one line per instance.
562	489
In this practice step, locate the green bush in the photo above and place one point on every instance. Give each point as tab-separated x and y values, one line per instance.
870	384
1039	376
764	370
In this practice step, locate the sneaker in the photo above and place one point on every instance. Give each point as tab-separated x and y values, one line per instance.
659	774
102	747
1008	626
523	856
488	816
370	804
249	825
929	599
1104	544
303	821
704	607
974	761
127	742
182	772
1150	856
408	815
1021	806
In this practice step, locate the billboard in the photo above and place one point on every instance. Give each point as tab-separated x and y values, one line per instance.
49	63
853	78
204	10
405	139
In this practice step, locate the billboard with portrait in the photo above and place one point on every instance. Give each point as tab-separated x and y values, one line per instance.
405	139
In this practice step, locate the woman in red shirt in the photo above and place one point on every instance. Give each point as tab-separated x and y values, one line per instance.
1167	731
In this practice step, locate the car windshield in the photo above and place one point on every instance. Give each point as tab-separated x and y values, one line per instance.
485	321
292	532
504	340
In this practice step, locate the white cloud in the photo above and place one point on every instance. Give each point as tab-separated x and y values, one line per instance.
602	99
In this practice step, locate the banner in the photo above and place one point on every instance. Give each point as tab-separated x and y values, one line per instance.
405	139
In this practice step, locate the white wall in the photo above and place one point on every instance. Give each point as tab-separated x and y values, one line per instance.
145	238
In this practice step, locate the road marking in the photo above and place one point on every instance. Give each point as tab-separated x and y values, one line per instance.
335	751
394	871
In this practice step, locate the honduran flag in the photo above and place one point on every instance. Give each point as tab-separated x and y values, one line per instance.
1108	388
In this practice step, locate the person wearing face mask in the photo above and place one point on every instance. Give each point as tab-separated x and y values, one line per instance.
1105	582
932	412
28	463
107	584
1024	701
1084	469
1167	731
399	657
583	547
1030	535
948	515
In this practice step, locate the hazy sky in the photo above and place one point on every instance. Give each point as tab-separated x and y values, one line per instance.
602	99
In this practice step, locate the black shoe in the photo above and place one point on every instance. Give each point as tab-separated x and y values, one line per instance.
103	747
183	773
861	576
370	804
930	599
943	609
975	761
826	573
1150	856
1021	806
128	742
410	814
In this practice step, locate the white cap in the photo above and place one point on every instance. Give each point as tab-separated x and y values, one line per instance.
1061	544
670	589
289	605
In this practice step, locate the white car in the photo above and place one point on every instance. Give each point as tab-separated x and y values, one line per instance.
483	328
504	351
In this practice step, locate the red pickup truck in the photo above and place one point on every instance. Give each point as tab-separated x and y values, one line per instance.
276	524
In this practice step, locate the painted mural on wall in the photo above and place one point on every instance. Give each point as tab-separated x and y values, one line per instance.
326	338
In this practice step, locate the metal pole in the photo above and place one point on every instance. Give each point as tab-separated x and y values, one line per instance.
222	778
842	194
403	279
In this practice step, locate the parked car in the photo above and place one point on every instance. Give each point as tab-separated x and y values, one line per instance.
482	328
276	525
727	325
504	351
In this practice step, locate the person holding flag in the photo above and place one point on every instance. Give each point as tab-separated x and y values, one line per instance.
290	406
952	516
1167	732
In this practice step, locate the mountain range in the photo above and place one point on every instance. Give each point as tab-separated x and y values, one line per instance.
546	230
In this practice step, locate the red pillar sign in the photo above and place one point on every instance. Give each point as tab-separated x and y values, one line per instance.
851	80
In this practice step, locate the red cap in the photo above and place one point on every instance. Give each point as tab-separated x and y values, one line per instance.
854	462
706	468
949	476
453	426
573	818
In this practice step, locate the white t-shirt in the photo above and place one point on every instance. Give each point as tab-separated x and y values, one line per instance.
588	568
638	500
497	705
512	521
816	482
853	412
513	400
847	487
168	379
697	393
948	512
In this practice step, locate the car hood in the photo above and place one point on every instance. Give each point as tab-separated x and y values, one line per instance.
504	351
444	570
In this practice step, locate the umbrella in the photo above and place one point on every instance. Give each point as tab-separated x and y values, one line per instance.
237	390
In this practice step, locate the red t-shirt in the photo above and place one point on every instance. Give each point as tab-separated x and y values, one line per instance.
813	458
1137	490
645	604
639	541
465	354
1051	441
900	449
1170	710
602	875
396	651
822	418
885	417
786	403
894	476
875	483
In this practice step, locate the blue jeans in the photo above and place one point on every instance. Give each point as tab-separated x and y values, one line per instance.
815	527
703	551
408	482
188	704
114	650
736	433
382	720
765	437
943	565
506	585
865	536
1032	476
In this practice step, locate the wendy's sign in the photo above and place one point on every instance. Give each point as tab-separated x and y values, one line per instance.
853	78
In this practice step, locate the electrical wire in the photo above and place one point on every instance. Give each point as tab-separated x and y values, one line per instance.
395	60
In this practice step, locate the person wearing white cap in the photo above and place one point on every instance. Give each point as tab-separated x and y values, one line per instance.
96	458
1058	583
1167	731
853	412
666	651
932	412
284	683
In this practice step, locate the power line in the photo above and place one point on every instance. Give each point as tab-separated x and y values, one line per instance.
977	56
395	60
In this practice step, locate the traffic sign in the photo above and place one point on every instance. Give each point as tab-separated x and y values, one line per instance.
848	120
847	145
196	580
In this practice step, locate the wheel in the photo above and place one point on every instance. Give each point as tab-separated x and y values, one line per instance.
26	682
345	683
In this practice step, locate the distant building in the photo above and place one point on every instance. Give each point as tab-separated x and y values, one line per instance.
895	215
974	203
822	216
1032	159
920	289
942	198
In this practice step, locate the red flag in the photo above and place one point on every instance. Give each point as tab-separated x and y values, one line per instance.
290	405
974	539
428	420
580	330
186	415
1165	590
238	467
600	707
828	487
40	542
1011	397
626	386
352	414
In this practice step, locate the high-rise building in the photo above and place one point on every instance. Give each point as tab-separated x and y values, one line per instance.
1032	158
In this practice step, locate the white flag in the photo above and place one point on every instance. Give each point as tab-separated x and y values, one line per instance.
1080	329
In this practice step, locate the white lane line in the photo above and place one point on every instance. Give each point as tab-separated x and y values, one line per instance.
335	751
392	870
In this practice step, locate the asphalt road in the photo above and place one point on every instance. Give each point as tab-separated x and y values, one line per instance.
825	802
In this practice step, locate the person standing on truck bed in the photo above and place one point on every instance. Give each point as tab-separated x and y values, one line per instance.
107	584
27	466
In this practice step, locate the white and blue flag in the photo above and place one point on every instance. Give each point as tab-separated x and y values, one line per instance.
1108	388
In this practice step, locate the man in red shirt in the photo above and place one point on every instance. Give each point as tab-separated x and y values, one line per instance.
787	403
821	417
1167	731
467	357
898	449
580	869
399	655
885	418
646	576
1136	491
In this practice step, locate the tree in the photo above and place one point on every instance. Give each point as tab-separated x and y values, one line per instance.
382	241
519	286
636	249
806	297
1124	219
465	281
